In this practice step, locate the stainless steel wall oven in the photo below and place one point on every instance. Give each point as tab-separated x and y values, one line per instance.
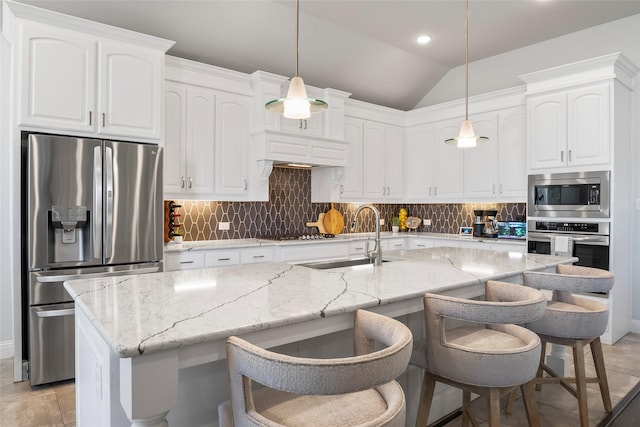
588	241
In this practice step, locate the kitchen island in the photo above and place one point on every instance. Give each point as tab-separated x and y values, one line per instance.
150	348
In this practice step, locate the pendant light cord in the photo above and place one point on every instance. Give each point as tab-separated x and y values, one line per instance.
466	60
297	34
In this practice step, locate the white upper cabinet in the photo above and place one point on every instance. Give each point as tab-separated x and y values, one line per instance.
351	186
129	90
570	128
447	179
232	143
383	161
495	170
74	81
58	78
433	169
419	161
189	141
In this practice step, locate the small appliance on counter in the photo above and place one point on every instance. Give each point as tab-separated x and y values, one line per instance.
490	224
512	230
478	225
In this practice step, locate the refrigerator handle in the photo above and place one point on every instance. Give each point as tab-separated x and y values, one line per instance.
109	202
96	215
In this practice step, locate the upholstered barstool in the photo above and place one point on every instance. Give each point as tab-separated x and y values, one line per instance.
350	391
488	355
575	322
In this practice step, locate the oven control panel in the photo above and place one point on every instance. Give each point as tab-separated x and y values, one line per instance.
570	227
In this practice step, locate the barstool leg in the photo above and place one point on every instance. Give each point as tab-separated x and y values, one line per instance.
530	403
426	396
601	373
543	353
494	407
581	384
466	408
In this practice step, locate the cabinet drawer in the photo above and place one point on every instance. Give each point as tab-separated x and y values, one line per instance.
220	258
359	247
255	255
393	244
184	261
421	243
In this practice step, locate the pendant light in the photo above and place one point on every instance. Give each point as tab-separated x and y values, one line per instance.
296	105
466	138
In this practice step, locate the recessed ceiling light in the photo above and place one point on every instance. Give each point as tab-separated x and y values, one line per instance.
423	39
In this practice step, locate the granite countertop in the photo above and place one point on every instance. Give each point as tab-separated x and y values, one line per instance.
142	314
244	243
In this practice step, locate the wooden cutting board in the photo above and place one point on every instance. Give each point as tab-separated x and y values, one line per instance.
333	221
319	223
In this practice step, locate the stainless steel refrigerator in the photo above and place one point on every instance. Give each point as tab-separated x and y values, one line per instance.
91	208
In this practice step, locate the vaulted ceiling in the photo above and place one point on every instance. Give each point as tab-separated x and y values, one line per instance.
365	47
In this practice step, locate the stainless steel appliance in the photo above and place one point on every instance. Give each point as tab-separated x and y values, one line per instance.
570	195
91	208
589	241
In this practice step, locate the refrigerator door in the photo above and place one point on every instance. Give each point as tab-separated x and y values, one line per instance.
133	203
63	202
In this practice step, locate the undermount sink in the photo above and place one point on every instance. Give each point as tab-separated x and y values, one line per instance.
327	265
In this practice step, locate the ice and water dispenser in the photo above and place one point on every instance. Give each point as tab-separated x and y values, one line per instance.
69	234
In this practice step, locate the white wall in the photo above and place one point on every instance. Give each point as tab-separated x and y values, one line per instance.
502	71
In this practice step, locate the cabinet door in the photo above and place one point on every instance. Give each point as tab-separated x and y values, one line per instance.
547	131
130	84
353	135
374	153
512	153
231	143
175	138
58	78
480	162
419	161
447	165
200	141
394	162
588	126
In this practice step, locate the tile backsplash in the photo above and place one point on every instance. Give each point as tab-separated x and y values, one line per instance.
289	208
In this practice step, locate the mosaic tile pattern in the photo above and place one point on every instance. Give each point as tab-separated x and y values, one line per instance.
289	208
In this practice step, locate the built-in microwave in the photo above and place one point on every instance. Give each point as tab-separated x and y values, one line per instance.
571	195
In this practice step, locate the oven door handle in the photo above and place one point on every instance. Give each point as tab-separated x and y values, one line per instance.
591	240
56	313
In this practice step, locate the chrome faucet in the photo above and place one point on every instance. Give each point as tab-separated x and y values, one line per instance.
376	253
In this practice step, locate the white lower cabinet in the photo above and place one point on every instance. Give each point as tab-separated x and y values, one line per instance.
221	258
184	261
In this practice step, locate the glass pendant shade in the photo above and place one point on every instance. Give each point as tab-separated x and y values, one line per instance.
467	137
296	105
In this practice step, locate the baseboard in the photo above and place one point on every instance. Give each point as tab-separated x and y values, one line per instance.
635	326
6	349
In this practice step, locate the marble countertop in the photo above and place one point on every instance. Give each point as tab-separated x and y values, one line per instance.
244	243
142	314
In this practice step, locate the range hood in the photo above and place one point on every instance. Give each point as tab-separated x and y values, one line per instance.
282	148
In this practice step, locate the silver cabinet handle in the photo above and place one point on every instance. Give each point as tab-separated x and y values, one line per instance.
258	256
56	313
421	246
182	186
562	156
388	191
90	117
224	259
103	119
429	190
186	262
435	191
569	155
493	189
190	182
245	185
500	188
341	188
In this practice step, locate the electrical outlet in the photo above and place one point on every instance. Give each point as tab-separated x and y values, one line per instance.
223	226
426	221
381	221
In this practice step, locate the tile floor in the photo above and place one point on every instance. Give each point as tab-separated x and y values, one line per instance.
54	405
